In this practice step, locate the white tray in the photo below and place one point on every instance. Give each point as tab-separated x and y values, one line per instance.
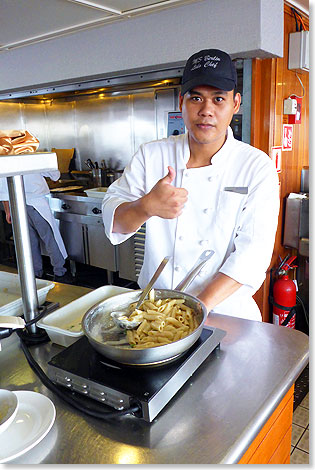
11	296
63	326
96	192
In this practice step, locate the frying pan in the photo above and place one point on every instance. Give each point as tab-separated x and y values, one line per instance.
110	341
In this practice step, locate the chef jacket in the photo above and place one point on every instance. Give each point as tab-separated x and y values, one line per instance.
232	208
36	190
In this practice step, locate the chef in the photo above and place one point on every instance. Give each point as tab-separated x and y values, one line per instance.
202	190
42	225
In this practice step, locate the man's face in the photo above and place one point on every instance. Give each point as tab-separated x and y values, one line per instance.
207	113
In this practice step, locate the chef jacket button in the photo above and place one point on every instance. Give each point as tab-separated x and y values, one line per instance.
203	242
206	211
177	268
181	238
210	178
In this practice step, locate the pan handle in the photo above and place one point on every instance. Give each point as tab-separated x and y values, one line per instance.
190	276
152	281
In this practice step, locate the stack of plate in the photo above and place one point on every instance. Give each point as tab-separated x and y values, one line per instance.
25	419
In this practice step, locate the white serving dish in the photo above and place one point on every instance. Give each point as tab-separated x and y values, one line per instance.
11	296
63	326
96	192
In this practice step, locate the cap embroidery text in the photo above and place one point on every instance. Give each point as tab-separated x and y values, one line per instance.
209	62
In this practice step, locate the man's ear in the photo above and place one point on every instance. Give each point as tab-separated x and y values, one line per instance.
181	99
237	103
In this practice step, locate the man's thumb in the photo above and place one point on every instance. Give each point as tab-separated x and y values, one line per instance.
170	176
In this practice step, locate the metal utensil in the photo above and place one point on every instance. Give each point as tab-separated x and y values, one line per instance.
120	318
89	161
190	276
89	164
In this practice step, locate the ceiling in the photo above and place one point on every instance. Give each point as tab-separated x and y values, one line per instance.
31	21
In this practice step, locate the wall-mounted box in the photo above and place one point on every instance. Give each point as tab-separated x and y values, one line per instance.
299	43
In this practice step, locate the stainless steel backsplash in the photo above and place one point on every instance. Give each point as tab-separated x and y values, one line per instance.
108	127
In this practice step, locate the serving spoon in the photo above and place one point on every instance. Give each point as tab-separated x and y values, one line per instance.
120	318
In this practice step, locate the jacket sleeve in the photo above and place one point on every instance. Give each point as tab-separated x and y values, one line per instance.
255	231
129	187
4	195
53	175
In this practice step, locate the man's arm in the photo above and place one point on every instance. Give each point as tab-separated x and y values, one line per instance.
7	211
217	290
164	200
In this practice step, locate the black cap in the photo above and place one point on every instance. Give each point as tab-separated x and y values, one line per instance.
209	67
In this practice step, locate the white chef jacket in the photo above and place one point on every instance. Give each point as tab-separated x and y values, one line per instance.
36	189
232	208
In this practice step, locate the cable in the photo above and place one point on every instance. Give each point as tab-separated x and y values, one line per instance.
301	20
301	86
303	307
297	15
296	21
62	393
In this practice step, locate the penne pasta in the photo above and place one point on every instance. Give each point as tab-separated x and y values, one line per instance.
163	321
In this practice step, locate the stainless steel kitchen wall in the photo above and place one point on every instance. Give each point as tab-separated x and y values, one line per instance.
103	126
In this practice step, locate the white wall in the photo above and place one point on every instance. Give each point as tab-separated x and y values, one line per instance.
243	28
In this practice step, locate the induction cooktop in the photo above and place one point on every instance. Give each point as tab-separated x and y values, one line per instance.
82	369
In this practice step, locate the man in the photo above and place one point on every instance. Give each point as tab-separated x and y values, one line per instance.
42	225
202	190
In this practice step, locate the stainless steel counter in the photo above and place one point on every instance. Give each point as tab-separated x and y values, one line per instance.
212	419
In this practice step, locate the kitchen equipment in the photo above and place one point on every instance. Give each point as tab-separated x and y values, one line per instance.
296	223
120	318
97	176
80	368
98	326
63	326
82	229
11	297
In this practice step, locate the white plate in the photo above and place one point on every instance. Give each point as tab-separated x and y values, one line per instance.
35	416
96	192
8	408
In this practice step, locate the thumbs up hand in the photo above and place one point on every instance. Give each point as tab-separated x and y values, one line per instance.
164	200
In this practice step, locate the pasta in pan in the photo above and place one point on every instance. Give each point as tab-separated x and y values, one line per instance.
163	321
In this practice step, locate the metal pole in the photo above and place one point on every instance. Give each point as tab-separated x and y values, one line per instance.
23	248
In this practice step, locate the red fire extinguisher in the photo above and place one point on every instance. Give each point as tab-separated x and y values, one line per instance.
284	296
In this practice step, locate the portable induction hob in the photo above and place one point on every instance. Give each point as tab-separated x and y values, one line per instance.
82	369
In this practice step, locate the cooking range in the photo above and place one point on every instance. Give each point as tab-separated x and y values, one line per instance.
82	369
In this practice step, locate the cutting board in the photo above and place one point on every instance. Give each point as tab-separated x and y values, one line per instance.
63	156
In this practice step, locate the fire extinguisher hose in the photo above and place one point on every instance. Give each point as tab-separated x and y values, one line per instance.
288	318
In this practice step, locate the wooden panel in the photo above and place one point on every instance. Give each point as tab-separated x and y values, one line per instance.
272	82
287	461
282	453
284	413
271	445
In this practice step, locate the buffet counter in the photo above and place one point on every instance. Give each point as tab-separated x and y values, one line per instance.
227	411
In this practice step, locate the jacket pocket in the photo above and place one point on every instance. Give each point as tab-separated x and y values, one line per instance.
230	206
